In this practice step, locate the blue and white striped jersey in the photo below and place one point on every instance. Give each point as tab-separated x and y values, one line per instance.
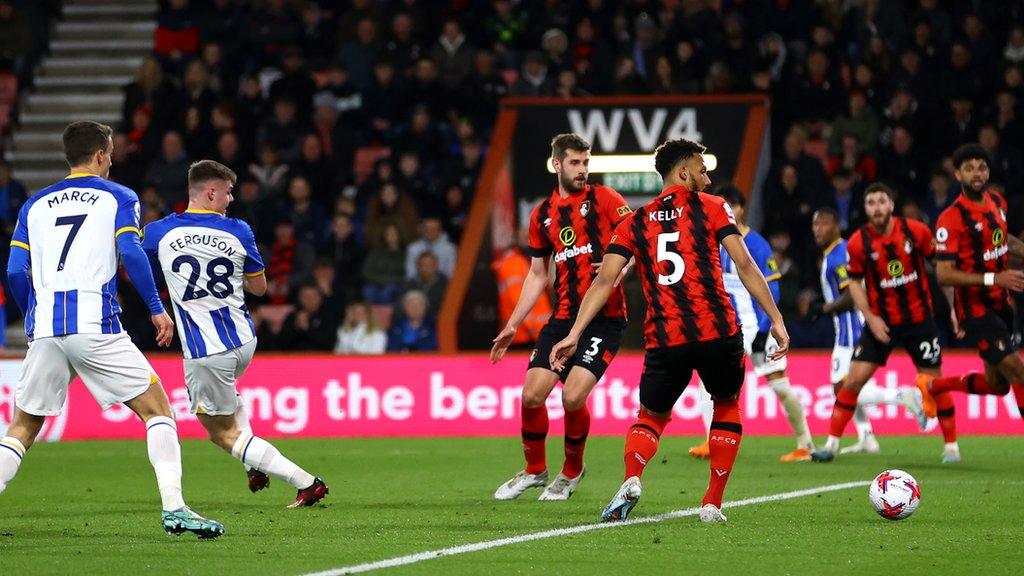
204	257
748	311
834	278
70	231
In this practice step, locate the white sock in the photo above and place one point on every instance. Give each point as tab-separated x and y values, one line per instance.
951	447
11	453
862	423
261	455
872	394
794	412
242	421
707	408
832	444
165	456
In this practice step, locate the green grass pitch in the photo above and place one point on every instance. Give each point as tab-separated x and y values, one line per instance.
92	508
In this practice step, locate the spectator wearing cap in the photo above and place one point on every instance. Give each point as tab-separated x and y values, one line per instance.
296	83
480	92
360	51
386	100
533	78
453	55
645	48
284	129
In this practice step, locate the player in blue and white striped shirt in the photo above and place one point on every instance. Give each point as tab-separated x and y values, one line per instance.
63	275
757	339
208	260
849	323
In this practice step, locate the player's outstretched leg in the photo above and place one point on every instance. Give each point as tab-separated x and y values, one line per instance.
907	396
794	410
641	445
261	455
726	434
707	407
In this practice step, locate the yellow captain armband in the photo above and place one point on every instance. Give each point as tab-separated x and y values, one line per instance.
20	244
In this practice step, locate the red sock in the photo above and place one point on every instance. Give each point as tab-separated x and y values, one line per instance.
642	442
535	433
1018	393
973	383
842	411
947	418
724	443
577	426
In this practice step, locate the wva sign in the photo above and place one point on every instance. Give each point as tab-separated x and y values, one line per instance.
605	129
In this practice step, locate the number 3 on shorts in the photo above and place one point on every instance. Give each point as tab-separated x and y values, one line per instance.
594	343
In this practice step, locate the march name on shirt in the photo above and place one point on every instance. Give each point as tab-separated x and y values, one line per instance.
72	196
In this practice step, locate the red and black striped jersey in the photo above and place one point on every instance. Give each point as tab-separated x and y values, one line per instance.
974	236
576	229
675	241
892	266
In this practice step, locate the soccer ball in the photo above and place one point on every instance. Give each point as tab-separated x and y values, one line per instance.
894	494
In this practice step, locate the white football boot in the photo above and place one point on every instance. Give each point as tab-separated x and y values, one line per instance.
520	483
623	502
910	398
562	487
868	445
711	513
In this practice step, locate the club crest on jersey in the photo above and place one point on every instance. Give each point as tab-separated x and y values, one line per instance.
895	268
585	208
567	236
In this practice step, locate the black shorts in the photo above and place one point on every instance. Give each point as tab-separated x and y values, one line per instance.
719	363
991	335
921	341
598	345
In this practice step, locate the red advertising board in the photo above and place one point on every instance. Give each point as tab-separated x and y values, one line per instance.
464	395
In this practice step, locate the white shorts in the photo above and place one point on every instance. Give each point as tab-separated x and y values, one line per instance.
110	365
841	357
211	380
762	366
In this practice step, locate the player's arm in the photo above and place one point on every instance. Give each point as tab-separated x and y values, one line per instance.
593	302
19	275
950	275
756	285
534	285
255	284
841	304
19	263
136	263
1016	245
874	322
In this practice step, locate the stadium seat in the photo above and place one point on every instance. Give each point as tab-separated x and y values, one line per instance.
8	88
275	315
366	157
818	149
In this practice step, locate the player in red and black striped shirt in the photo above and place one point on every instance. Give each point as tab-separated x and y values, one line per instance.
572	226
888	254
973	247
691	324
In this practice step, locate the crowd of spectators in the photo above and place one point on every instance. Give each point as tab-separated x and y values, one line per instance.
357	127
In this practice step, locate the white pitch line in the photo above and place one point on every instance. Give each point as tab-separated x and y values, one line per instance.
466	548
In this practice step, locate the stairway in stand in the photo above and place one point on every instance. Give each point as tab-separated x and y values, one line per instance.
96	49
